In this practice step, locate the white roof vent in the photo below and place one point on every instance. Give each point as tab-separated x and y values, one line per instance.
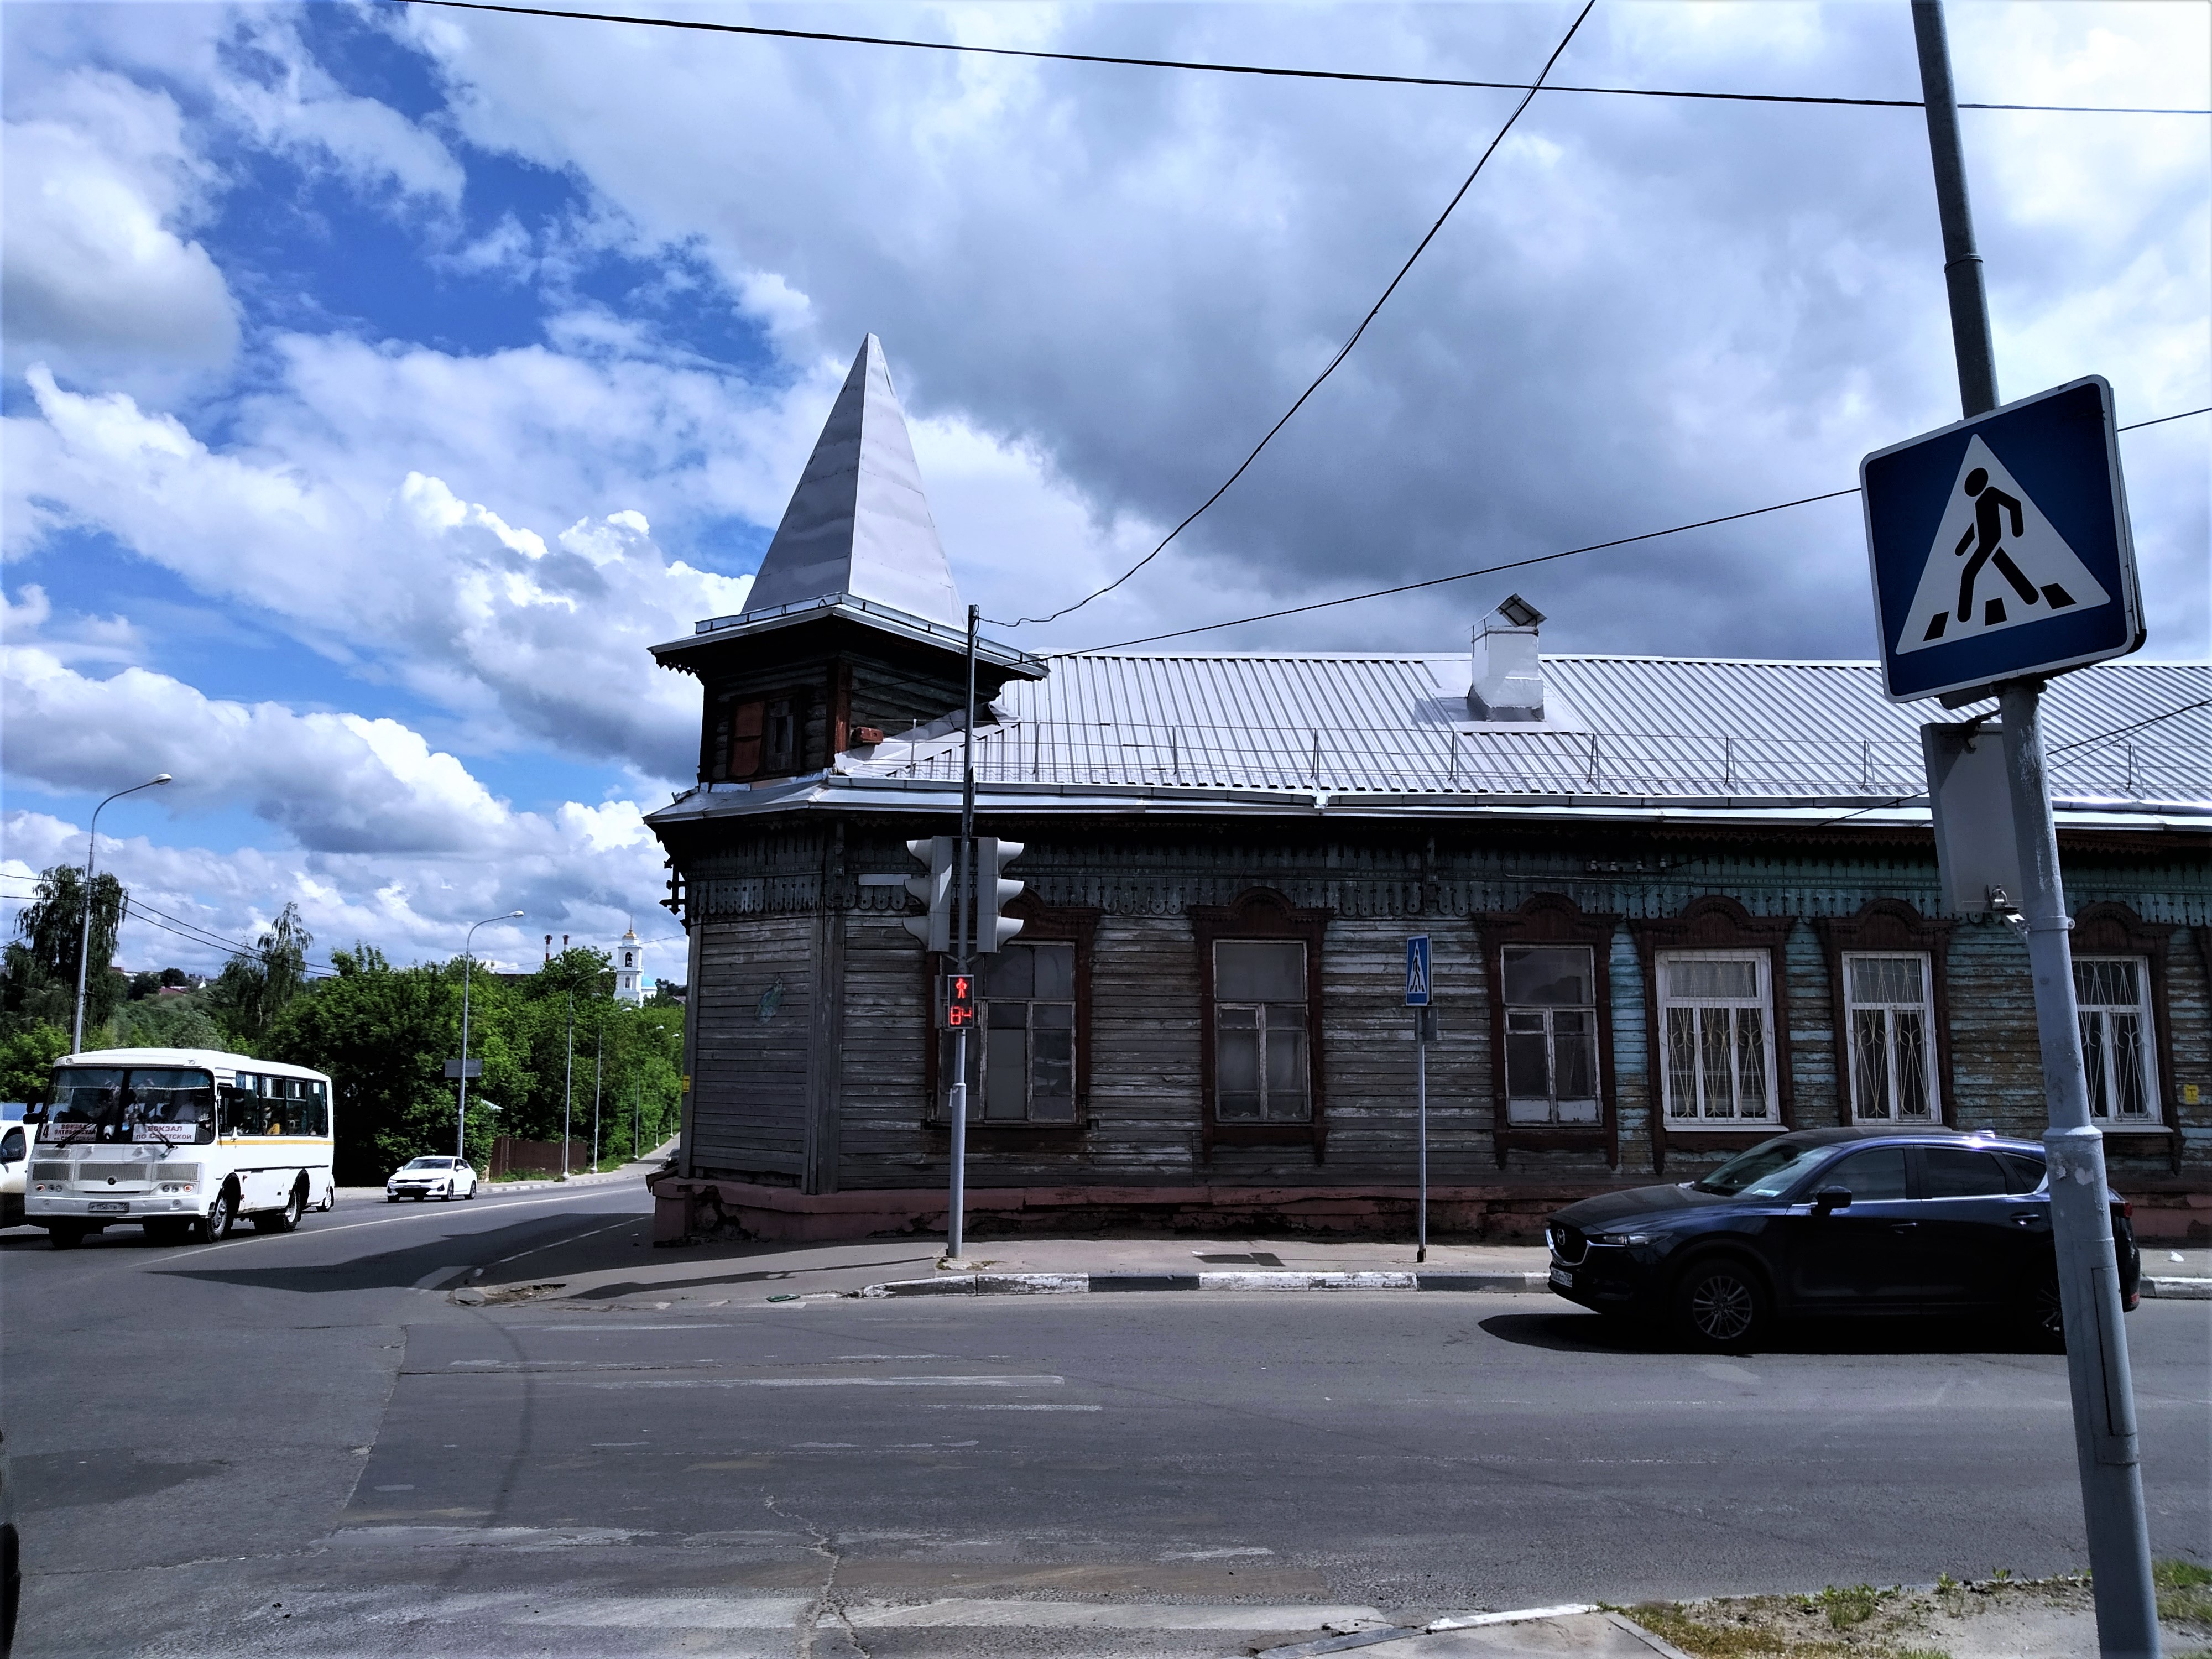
1509	675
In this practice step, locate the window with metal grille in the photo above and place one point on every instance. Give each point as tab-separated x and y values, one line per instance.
1890	1013
2113	997
1550	1033
1262	1072
1021	1057
1716	1020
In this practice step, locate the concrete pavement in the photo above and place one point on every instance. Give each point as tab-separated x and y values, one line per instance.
300	1443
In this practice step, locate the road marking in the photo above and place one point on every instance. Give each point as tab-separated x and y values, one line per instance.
1213	1555
845	1382
966	1406
198	1251
626	1221
1091	1615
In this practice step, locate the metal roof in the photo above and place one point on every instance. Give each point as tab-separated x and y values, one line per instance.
1257	732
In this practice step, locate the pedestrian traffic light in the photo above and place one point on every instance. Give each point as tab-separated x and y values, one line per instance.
935	891
992	928
957	1002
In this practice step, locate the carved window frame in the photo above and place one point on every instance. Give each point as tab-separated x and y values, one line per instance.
1070	924
1888	926
1260	913
2110	928
1714	921
1550	919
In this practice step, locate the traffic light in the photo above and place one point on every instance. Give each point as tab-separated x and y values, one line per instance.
992	928
935	891
957	1002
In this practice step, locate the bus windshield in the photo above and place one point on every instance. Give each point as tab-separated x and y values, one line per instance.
151	1104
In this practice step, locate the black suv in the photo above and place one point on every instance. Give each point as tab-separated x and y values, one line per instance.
1829	1221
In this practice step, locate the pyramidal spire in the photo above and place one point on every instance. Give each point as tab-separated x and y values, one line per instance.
859	522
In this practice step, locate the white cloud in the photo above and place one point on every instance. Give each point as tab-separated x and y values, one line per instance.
378	563
96	272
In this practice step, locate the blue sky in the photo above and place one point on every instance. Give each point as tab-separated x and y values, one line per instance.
379	382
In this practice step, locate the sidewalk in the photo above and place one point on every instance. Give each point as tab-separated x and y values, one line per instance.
1988	1619
719	1273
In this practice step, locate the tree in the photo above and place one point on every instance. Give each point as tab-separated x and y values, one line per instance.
255	986
41	969
27	1062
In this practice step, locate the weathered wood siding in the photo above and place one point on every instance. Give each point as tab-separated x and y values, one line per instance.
771	904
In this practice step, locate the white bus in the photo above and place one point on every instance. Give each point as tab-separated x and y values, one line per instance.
180	1141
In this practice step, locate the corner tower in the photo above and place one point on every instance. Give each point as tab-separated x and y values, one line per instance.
853	625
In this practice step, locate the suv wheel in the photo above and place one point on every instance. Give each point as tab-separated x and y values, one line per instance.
1720	1304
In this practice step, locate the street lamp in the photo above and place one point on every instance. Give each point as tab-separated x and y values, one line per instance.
84	937
468	973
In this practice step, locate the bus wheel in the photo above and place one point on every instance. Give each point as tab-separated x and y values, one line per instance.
214	1225
329	1199
283	1220
66	1238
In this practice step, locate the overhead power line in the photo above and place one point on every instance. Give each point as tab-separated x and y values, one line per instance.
2119	731
1515	564
1343	351
1272	71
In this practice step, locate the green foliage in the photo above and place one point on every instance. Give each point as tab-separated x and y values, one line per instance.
27	1062
255	986
1851	1606
383	1035
167	1022
38	983
2184	1590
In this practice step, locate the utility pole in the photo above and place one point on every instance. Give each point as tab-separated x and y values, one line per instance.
963	919
598	1070
569	1084
2106	1449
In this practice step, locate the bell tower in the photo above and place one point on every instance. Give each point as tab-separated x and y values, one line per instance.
629	968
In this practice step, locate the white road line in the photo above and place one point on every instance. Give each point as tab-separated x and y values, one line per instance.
626	1221
1091	1615
845	1382
198	1251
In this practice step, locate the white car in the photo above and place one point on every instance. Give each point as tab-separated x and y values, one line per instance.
431	1177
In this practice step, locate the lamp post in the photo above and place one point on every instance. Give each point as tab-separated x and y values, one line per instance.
468	973
84	935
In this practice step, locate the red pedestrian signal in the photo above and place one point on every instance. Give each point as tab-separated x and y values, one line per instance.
957	1002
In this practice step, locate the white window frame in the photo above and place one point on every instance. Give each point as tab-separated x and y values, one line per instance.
1925	1008
1553	1111
1763	961
2100	1112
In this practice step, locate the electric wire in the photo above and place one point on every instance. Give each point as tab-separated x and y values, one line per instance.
1264	69
2118	732
1343	352
1515	564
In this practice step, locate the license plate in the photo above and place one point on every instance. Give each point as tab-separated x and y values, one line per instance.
103	1208
1562	1278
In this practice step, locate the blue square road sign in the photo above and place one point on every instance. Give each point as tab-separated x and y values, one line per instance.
2000	546
1417	971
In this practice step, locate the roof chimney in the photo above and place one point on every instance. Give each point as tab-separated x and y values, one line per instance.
1509	675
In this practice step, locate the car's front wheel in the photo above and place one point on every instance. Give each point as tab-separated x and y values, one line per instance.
1720	1302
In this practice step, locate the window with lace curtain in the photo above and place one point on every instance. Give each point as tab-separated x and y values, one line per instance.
2113	997
1890	1013
1716	1011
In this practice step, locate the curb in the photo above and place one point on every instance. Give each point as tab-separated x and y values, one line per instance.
1345	1643
2180	1290
1494	1282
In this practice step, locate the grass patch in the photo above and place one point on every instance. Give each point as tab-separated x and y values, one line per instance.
2184	1591
1846	1608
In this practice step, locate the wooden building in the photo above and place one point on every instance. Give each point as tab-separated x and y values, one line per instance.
1677	906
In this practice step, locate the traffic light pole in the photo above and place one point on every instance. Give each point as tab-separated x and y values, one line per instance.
2106	1445
964	920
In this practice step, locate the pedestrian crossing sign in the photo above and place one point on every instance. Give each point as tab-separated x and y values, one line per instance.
1417	971
2000	546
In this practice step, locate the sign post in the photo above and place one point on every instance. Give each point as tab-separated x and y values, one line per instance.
1424	1030
2001	555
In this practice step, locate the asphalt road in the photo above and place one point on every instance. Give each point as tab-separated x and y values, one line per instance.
288	1444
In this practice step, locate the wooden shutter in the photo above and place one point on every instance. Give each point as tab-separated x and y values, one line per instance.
745	721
